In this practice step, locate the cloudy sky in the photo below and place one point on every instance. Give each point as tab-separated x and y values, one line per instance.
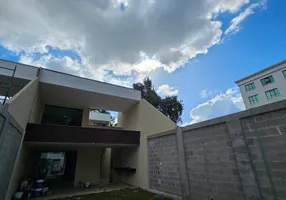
193	49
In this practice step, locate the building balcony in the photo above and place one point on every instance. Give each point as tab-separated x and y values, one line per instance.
72	135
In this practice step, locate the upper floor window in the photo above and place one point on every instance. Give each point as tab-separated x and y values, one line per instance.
267	80
253	99
62	116
284	73
249	87
272	93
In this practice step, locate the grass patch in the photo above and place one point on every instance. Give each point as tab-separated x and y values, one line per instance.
125	194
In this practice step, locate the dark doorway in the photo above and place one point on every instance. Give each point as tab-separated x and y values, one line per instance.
71	158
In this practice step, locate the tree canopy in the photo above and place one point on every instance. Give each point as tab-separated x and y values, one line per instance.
169	106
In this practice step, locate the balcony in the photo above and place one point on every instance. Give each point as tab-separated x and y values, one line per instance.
105	137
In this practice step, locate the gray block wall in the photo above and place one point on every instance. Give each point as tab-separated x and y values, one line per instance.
163	164
239	156
211	165
271	127
10	141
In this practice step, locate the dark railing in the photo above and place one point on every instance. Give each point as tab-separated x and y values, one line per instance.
72	134
7	85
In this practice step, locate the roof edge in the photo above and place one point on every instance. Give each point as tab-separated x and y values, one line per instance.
261	71
42	68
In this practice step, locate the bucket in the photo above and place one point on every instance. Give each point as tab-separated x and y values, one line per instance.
37	192
87	184
40	183
18	196
45	191
81	184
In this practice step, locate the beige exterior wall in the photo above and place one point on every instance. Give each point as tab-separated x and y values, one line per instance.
88	165
21	104
85	117
148	120
20	107
37	109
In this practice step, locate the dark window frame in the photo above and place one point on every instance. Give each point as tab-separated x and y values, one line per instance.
254	99
270	94
55	118
267	80
284	73
250	87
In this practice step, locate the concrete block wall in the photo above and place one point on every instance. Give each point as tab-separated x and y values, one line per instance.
10	141
163	164
240	156
211	165
271	127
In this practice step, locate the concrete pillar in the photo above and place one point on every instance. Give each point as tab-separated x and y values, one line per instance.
245	167
182	165
105	165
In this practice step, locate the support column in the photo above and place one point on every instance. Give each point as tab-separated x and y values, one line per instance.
244	164
182	165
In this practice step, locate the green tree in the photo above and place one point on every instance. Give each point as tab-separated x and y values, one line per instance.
100	111
169	106
172	108
148	92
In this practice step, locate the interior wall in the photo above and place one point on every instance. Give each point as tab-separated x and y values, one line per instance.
88	165
148	120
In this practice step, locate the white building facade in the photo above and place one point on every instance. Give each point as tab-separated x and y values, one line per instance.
264	87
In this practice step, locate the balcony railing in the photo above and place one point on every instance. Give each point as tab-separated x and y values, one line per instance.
44	133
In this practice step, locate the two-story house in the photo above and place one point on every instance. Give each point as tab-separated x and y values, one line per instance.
45	129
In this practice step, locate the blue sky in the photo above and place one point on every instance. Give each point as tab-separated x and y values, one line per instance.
199	58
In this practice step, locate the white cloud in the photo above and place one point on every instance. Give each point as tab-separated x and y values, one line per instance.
222	104
235	22
73	66
143	38
208	93
167	90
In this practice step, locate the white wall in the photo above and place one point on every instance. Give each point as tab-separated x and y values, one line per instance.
23	71
67	80
280	83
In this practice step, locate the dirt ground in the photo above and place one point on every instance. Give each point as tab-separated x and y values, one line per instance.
125	194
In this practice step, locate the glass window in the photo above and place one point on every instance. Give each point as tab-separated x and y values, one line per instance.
272	93
62	116
253	99
284	73
267	80
249	87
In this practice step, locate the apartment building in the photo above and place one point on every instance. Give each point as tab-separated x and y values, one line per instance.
45	115
264	87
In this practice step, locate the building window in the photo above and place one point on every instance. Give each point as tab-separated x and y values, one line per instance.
62	116
253	99
249	87
267	80
272	93
284	73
